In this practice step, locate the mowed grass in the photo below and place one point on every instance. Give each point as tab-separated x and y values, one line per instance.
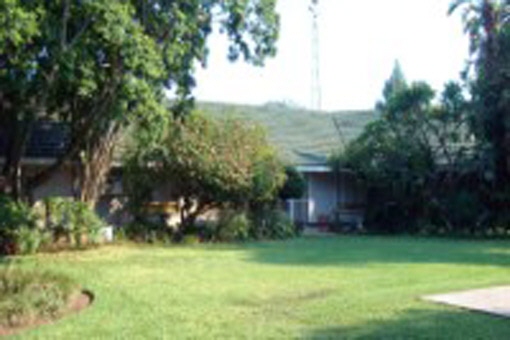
308	288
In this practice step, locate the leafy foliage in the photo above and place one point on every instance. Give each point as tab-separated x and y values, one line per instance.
16	222
147	232
294	186
271	223
487	25
233	226
101	65
26	230
208	164
72	221
444	168
421	163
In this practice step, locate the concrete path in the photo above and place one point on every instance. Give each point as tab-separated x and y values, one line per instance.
494	301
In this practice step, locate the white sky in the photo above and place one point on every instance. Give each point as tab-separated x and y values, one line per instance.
359	39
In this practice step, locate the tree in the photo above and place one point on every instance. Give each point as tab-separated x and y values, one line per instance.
208	164
294	186
100	65
414	159
486	23
395	84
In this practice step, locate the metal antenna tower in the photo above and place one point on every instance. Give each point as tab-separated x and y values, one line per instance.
316	95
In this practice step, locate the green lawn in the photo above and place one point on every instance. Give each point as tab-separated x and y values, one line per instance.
311	288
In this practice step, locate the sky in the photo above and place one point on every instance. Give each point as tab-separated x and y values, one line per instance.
359	43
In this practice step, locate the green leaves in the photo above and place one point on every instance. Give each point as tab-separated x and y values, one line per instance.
222	160
209	162
126	48
101	65
18	25
488	26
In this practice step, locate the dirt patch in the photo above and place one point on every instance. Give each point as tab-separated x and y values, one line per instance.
76	304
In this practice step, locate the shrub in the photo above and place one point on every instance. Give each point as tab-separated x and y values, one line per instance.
232	226
84	222
14	216
209	163
271	223
25	230
146	231
294	186
73	221
30	240
190	239
25	295
206	230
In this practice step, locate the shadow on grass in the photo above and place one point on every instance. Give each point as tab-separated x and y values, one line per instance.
423	324
359	250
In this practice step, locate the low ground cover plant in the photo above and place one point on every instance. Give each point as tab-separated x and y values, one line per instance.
26	296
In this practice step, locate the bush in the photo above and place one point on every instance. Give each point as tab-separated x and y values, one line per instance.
25	295
294	186
30	240
25	230
233	225
206	230
17	223
146	231
71	221
271	223
190	239
208	163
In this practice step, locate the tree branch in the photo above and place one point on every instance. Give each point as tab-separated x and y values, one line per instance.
65	19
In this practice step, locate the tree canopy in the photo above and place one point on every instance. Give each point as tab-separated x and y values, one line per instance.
486	22
442	164
98	65
208	163
415	158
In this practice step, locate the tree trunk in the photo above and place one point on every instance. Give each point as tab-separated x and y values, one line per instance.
17	136
96	166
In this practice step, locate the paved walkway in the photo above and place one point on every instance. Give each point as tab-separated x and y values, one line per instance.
491	300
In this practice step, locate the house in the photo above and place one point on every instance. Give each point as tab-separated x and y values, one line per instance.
304	139
47	142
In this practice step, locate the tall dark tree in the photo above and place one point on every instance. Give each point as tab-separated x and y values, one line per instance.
487	24
395	84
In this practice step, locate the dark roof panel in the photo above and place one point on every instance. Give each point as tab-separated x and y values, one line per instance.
48	140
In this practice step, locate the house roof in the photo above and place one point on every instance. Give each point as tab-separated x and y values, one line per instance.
47	140
303	138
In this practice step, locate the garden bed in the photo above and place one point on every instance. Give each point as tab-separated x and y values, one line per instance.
31	298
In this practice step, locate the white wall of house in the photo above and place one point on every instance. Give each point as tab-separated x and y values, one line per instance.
59	184
329	192
322	194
